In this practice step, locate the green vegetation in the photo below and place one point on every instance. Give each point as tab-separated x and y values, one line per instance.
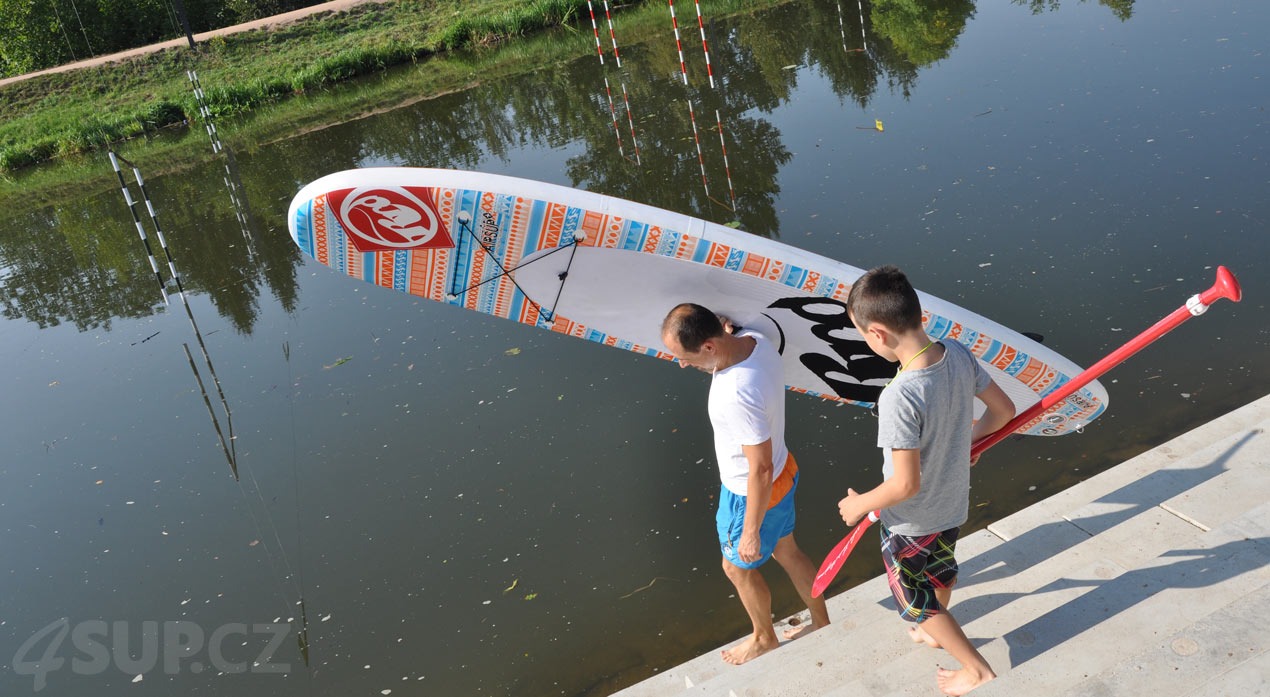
41	34
78	111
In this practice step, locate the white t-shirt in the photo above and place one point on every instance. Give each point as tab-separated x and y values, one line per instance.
747	407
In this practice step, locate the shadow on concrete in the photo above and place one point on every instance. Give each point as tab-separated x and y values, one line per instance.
1200	567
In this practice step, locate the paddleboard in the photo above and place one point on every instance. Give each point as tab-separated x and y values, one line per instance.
608	270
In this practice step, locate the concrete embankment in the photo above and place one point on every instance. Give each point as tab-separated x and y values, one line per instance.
1152	578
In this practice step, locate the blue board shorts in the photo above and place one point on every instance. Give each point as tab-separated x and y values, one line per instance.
777	522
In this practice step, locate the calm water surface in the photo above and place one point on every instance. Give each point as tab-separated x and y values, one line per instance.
470	506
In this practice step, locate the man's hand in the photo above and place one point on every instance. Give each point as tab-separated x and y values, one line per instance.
850	508
974	460
748	548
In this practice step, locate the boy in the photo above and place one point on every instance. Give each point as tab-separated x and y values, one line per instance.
924	419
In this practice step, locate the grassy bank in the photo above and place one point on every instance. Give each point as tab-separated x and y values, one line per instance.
79	111
179	148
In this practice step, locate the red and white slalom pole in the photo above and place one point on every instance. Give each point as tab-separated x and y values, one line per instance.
1226	286
864	42
595	29
613	112
842	28
631	121
700	160
726	169
701	25
136	219
612	36
683	67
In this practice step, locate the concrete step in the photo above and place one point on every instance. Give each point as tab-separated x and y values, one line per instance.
1211	594
1094	570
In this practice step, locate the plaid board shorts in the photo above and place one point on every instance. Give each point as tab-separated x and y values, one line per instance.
916	566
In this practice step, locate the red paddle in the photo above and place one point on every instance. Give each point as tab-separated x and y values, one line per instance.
1226	286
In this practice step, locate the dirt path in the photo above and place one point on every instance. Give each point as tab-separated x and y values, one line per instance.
276	20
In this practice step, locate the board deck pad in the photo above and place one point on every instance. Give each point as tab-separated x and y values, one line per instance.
608	270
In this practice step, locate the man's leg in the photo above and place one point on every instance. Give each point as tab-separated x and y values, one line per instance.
757	599
802	572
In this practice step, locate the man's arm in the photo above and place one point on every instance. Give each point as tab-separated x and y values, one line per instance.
903	485
1000	411
758	491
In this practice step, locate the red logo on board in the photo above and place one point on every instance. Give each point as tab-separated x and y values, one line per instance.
389	219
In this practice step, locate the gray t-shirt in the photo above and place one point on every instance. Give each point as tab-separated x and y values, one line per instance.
932	409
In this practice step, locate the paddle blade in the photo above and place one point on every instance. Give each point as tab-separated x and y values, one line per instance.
838	556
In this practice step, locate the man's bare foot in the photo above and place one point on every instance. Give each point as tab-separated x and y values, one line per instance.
919	636
749	650
959	682
801	630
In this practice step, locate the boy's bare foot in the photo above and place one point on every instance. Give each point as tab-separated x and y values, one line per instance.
749	650
801	630
919	636
959	682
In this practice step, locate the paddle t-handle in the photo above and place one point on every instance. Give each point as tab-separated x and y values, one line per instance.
1226	286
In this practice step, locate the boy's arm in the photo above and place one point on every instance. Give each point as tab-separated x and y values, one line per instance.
903	485
758	490
1000	411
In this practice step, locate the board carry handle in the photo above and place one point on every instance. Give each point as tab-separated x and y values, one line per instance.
1226	286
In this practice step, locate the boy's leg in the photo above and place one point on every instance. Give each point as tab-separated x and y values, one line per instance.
919	635
757	600
974	672
802	572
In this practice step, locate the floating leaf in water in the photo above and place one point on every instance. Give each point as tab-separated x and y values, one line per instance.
877	123
509	588
511	352
341	361
735	224
531	596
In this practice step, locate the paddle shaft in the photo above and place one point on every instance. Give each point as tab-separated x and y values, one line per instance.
1225	287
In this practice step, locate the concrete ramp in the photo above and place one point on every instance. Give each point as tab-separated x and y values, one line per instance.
1152	578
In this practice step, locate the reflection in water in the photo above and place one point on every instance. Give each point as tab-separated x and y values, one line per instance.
227	448
145	240
226	437
233	184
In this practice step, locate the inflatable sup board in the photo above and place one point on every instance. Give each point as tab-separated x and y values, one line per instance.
608	270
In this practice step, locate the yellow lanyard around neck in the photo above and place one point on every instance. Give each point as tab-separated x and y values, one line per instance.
910	362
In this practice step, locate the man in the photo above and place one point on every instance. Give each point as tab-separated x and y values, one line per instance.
756	501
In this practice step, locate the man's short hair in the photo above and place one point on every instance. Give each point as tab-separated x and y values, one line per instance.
884	296
691	325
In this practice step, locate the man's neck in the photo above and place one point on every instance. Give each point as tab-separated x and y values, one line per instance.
912	344
735	350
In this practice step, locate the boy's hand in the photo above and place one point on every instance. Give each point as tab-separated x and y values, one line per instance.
850	508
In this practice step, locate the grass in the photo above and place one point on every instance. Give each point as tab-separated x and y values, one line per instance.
259	121
83	110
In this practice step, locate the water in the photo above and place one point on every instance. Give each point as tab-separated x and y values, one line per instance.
471	506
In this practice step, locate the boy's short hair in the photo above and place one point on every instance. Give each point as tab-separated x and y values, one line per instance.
691	325
884	296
